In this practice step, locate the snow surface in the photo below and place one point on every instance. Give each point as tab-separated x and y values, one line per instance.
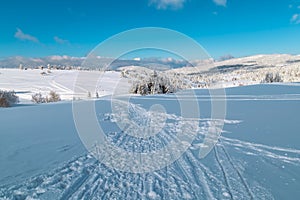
257	156
28	82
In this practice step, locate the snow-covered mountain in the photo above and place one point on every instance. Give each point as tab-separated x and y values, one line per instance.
14	62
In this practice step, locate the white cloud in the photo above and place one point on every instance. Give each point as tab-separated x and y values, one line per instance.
60	41
220	2
22	36
64	57
167	4
295	19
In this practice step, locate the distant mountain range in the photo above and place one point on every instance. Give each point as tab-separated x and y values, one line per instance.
152	63
68	61
14	62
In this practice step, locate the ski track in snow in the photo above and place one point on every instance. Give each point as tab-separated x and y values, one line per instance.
223	177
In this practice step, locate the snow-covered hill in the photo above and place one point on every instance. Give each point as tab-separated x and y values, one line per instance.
235	72
228	73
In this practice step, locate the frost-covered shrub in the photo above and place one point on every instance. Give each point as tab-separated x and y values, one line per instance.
38	98
53	97
8	98
277	78
270	78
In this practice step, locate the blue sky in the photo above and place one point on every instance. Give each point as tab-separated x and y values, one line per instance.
35	28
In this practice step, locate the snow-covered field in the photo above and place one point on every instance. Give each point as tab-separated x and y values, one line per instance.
28	82
42	156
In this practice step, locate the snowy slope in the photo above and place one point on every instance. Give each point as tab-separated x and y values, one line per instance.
257	156
28	82
229	73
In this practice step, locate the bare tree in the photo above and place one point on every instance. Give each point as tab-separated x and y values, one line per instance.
53	97
38	98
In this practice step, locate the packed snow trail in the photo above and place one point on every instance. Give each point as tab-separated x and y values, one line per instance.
188	178
218	176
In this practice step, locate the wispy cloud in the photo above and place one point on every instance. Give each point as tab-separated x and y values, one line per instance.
295	19
178	4
167	4
220	2
23	36
60	41
294	6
